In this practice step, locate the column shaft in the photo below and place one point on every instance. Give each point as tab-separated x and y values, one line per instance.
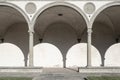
30	49
89	48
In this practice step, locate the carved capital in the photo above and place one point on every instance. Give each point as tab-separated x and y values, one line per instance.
89	30
31	31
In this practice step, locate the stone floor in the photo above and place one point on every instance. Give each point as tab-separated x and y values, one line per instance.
52	73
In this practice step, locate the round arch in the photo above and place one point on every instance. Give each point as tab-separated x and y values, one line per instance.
19	10
60	4
101	9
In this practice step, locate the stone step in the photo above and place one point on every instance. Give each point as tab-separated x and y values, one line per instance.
59	77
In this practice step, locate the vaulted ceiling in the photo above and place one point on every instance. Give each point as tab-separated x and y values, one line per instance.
60	14
111	18
9	17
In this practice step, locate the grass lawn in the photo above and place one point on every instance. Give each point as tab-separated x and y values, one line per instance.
104	78
15	78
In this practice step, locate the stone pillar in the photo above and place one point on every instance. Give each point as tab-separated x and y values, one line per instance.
31	48
64	62
89	47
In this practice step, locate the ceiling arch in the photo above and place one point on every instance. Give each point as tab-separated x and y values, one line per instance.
60	14
72	6
110	17
9	15
101	9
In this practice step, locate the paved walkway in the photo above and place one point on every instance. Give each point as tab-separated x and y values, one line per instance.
59	70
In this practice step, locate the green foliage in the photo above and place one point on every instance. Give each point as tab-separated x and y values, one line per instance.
104	78
14	78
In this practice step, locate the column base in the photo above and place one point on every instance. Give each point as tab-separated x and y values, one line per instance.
88	66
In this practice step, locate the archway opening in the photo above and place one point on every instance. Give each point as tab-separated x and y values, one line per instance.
11	55
47	55
106	31
77	56
14	28
62	26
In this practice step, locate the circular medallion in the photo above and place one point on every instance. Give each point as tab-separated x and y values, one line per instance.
89	8
30	8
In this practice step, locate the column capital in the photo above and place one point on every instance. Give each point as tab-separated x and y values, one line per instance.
89	30
30	31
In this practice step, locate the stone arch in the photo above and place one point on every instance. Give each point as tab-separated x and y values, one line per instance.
58	20
106	30
11	56
116	3
77	56
12	18
18	9
59	4
47	55
63	36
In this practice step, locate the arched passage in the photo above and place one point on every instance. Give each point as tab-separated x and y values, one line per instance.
62	26
14	28
77	56
11	55
47	55
106	29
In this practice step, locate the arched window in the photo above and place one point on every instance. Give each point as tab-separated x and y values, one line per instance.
11	55
77	56
112	56
47	55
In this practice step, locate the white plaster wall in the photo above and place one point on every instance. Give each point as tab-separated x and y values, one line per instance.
11	55
77	56
112	56
47	55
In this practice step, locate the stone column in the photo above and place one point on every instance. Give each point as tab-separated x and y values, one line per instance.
89	47
31	48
